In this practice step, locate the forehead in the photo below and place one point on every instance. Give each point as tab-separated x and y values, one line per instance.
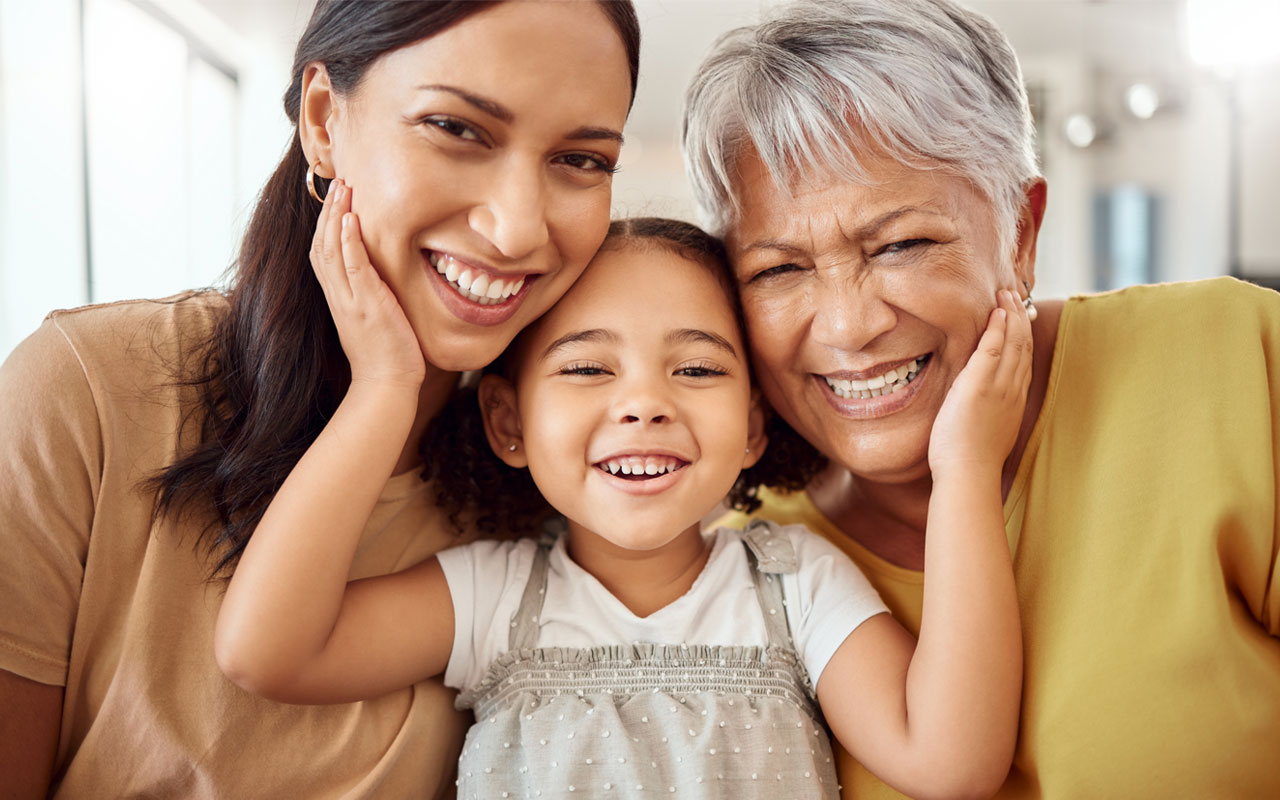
641	289
829	202
540	54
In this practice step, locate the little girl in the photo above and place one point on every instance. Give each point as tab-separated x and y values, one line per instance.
625	652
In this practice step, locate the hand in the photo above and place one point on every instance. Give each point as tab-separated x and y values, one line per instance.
375	334
980	417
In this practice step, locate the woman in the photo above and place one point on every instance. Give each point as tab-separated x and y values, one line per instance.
871	165
473	145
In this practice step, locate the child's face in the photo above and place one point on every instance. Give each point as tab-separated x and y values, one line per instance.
640	369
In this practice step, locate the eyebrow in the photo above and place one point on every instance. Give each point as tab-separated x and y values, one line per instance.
490	107
576	337
681	336
501	112
696	336
866	231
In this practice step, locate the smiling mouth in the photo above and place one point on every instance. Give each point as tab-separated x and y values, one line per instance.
472	284
889	382
641	468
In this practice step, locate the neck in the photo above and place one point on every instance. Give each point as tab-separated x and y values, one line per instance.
886	518
437	387
644	581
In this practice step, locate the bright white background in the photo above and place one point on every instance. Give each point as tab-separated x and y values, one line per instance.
134	135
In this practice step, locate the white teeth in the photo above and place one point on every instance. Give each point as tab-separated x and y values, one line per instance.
891	381
476	287
641	465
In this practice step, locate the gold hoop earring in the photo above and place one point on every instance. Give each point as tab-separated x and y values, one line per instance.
310	181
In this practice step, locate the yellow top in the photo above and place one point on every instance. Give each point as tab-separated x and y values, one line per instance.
1143	521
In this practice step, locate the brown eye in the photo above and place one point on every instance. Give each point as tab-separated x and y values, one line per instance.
903	246
455	128
588	162
774	272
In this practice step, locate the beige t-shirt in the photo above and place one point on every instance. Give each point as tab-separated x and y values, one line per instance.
97	599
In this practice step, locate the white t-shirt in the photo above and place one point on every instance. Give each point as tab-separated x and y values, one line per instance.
827	597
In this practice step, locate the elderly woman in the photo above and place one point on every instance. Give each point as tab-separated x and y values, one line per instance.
871	167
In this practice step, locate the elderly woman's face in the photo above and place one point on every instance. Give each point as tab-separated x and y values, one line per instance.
863	303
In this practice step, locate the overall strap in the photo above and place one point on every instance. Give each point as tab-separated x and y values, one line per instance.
524	623
770	554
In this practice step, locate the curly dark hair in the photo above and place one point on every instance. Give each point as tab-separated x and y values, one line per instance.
477	489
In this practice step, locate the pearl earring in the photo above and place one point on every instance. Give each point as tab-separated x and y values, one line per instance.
1028	305
511	447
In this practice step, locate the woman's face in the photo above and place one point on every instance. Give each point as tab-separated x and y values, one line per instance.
480	162
863	303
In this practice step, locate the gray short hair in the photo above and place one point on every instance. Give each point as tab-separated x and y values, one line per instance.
933	84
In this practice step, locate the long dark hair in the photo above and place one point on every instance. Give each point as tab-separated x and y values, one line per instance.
273	371
468	476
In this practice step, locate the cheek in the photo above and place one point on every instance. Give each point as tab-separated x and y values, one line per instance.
776	334
546	425
580	225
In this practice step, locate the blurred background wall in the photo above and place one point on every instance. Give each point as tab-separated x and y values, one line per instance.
134	135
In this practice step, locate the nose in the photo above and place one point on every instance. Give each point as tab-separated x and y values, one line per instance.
641	400
512	215
850	312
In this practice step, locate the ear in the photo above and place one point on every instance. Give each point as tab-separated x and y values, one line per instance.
502	420
316	117
1029	218
757	440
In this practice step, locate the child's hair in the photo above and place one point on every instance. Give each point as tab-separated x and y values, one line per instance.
478	490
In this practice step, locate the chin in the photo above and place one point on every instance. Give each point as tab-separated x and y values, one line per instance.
884	459
462	356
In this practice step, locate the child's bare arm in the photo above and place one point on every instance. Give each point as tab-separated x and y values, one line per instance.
940	718
291	627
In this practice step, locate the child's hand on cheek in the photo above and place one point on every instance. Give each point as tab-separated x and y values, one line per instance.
980	417
376	336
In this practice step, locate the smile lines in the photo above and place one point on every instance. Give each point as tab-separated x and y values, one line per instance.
473	284
891	381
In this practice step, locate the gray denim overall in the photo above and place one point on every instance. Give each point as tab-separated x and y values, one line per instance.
645	719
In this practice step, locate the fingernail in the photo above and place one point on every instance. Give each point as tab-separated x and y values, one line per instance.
346	222
1001	313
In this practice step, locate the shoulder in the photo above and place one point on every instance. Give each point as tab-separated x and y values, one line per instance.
163	326
1167	326
488	562
1168	307
789	546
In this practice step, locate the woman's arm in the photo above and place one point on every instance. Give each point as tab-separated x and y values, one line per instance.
291	628
28	736
940	718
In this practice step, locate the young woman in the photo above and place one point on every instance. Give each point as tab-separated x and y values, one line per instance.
630	652
143	440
